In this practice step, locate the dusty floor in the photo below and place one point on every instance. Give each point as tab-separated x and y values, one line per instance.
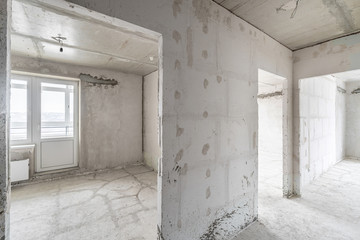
328	209
119	204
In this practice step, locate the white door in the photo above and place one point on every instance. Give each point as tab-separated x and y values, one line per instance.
55	126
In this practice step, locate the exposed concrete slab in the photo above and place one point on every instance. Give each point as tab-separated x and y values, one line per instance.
117	204
313	21
5	16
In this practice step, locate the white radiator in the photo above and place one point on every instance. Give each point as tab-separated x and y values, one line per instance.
19	170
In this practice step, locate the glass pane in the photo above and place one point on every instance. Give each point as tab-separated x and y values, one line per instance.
18	110
56	105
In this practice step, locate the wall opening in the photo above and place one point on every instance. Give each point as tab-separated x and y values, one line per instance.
97	81
271	133
329	117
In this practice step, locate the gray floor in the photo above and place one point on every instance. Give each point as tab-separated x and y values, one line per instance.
121	204
328	209
118	204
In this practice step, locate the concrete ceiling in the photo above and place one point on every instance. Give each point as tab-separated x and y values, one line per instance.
88	43
350	76
315	21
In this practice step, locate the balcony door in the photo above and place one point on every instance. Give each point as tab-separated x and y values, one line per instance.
51	122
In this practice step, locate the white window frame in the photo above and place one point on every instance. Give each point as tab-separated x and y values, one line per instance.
29	121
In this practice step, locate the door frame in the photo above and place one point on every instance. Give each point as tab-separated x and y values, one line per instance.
36	121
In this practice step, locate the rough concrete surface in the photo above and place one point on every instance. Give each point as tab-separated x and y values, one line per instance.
5	16
336	56
327	210
219	120
111	205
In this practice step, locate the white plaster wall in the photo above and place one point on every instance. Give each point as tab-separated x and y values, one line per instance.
111	117
270	130
208	177
340	121
209	85
317	127
151	141
335	56
352	121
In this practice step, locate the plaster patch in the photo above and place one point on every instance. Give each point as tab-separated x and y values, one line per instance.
208	193
176	7
206	83
179	156
177	95
205	114
176	36
202	10
208	173
205	149
177	64
179	131
204	54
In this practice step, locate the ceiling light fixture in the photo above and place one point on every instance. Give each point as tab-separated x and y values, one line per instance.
60	39
291	5
151	58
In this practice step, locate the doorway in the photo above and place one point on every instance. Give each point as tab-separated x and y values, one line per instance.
271	131
90	123
44	112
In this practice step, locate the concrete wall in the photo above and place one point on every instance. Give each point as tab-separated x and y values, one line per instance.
270	131
317	127
270	104
151	137
5	20
335	56
352	120
340	127
111	117
208	178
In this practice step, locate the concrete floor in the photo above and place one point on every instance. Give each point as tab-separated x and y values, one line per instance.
118	204
328	209
121	204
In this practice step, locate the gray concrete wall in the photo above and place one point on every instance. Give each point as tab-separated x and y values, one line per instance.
340	128
317	127
151	137
5	16
352	120
208	177
335	56
111	117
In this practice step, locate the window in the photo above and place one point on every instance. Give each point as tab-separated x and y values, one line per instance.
57	112
41	108
19	114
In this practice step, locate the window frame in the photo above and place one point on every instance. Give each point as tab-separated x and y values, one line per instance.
29	130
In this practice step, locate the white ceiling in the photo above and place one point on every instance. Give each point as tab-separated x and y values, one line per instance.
315	21
88	43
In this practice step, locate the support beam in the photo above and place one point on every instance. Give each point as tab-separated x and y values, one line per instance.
5	12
